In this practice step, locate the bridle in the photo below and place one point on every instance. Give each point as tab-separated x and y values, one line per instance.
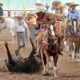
50	36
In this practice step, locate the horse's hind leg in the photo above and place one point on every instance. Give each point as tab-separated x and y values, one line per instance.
55	65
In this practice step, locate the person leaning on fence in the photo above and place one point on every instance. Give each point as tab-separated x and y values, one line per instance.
20	29
1	10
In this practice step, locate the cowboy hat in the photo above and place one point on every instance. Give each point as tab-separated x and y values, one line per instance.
39	10
60	6
1	4
29	15
47	5
39	4
19	17
72	4
56	4
68	4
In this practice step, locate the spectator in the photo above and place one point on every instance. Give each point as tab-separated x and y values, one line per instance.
1	10
20	29
32	23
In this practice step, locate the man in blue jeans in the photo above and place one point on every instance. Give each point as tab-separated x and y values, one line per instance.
32	23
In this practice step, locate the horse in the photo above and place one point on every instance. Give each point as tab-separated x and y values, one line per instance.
73	38
49	47
49	44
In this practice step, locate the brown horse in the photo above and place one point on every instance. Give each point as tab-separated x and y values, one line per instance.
72	37
49	43
49	47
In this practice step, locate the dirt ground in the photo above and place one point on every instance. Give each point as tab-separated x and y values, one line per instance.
68	70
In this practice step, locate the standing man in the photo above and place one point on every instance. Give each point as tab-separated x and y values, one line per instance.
20	29
1	11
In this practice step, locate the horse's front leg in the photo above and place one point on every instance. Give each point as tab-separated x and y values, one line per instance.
55	69
77	55
46	63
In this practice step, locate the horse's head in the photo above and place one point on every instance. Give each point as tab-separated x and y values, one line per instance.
51	34
72	27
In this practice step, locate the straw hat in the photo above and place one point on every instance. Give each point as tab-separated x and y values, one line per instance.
19	16
72	4
60	6
55	4
39	4
47	5
39	10
1	4
29	15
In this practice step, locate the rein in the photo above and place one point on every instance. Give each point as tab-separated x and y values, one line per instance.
48	43
45	37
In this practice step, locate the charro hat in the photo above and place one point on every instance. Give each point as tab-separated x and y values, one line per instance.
59	6
55	4
29	15
39	4
39	10
1	4
19	16
72	4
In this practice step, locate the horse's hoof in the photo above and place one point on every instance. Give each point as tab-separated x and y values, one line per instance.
45	74
56	73
55	76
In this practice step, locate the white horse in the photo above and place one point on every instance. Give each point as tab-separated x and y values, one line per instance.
10	24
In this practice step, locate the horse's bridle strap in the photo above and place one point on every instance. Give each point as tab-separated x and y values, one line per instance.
48	43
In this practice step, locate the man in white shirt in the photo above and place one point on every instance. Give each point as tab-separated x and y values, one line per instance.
20	29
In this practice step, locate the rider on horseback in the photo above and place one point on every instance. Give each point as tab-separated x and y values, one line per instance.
73	14
43	18
41	30
59	20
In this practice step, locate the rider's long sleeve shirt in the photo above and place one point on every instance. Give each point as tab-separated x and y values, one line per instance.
73	14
